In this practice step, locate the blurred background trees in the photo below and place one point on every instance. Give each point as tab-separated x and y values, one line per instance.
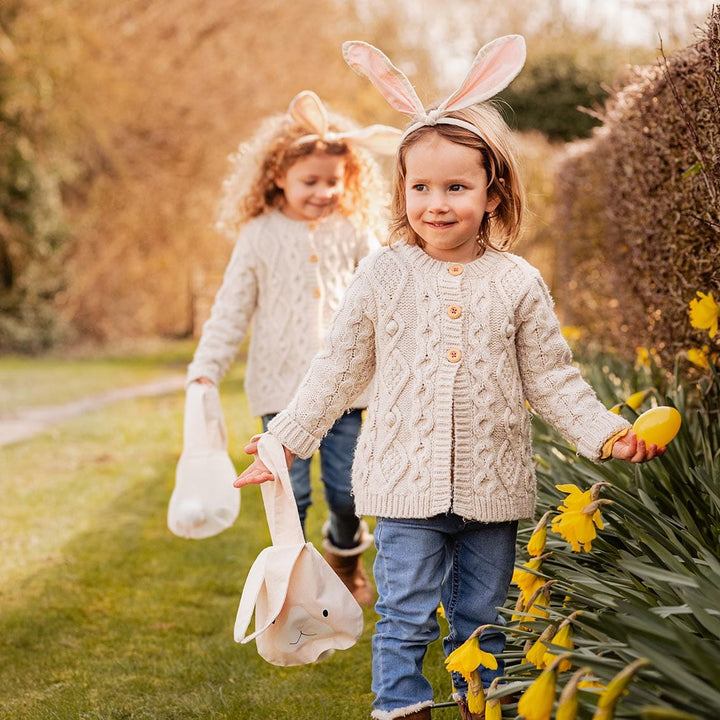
116	122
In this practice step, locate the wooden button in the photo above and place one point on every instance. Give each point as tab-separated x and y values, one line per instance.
313	258
456	269
316	292
454	311
454	356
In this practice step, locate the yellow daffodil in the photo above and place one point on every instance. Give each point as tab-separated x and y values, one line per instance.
635	400
536	654
593	684
493	710
476	694
579	516
704	313
536	544
529	582
468	657
642	357
571	333
616	688
699	357
568	703
536	703
493	706
564	639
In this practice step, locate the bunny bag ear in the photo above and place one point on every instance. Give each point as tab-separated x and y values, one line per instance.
495	66
394	86
307	109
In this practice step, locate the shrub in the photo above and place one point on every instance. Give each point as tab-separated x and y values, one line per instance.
637	225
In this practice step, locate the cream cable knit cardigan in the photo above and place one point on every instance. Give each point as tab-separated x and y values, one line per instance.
456	350
287	278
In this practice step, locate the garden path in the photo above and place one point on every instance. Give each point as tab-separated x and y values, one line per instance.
24	423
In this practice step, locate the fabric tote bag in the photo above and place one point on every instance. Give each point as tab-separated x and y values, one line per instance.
204	501
303	611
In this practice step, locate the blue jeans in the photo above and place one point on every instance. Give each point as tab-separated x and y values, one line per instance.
468	566
336	456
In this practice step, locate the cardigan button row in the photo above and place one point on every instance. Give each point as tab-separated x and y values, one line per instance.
313	258
455	269
454	355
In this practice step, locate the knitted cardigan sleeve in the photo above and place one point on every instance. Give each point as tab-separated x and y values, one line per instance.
230	316
553	385
337	374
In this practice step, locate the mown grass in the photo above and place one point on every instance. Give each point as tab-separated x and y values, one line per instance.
55	379
105	615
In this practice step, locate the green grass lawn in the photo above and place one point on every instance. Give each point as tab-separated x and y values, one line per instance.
104	614
55	379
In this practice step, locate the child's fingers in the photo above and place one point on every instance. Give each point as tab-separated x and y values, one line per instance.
254	475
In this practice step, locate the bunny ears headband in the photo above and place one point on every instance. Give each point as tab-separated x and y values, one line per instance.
307	110
495	66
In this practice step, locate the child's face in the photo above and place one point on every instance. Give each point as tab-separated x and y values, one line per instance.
312	186
446	197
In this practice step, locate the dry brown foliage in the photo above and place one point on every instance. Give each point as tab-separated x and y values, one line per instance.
149	98
638	206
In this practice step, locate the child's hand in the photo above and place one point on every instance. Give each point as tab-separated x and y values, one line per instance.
629	447
258	472
205	381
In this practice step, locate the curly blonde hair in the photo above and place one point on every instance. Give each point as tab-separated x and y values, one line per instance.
250	188
499	229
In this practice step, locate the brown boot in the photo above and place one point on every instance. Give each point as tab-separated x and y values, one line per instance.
465	713
423	714
347	564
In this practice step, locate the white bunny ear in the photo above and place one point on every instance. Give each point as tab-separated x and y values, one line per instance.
307	109
381	139
495	66
394	86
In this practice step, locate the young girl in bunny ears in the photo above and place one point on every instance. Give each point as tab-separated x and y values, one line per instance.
460	334
302	204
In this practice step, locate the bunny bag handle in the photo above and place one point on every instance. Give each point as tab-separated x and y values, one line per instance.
280	507
204	428
495	66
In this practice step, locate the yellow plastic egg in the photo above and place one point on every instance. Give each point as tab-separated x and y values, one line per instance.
658	425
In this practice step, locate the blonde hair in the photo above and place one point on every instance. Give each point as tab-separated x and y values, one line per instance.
500	228
250	188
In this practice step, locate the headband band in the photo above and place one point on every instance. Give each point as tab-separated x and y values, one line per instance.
495	66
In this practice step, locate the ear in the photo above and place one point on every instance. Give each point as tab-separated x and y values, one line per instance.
493	199
381	139
307	109
394	86
495	66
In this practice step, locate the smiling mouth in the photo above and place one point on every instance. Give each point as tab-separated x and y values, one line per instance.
438	224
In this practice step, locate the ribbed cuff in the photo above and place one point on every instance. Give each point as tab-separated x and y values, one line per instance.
293	436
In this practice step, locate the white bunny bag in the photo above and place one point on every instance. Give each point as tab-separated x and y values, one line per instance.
303	611
204	501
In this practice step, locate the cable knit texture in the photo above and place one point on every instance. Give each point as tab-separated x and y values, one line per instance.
288	278
458	349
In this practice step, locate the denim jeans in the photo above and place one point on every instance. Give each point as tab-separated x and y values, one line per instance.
468	566
336	456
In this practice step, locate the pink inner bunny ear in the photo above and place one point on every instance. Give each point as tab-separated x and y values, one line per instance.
368	61
495	66
307	109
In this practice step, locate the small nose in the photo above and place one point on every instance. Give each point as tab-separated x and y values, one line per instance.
437	202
